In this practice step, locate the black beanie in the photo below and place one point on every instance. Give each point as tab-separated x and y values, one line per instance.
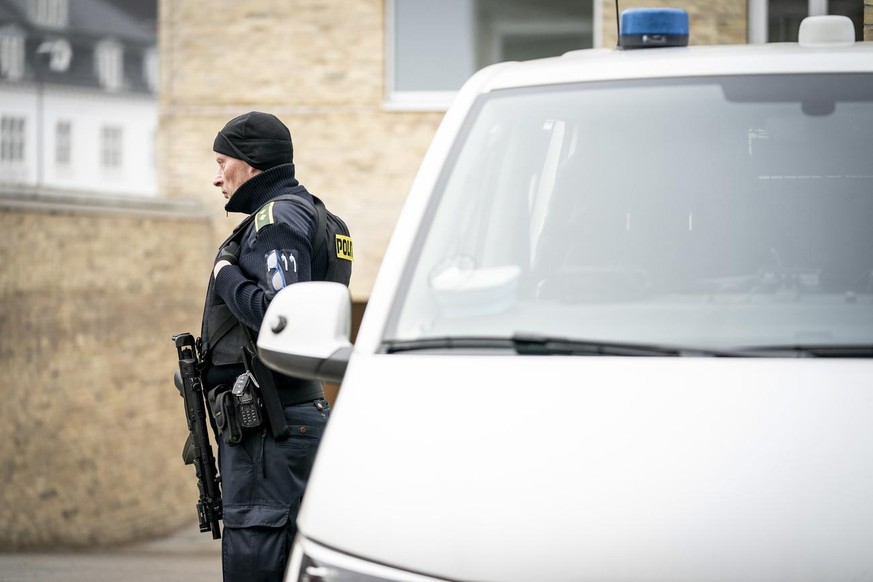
259	139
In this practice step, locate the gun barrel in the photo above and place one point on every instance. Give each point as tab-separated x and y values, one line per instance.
208	522
188	382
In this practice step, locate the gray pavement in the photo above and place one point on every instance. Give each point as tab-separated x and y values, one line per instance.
184	556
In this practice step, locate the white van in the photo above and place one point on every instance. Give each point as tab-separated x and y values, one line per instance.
623	330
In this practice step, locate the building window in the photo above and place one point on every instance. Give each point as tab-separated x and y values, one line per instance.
435	45
49	13
779	20
63	143
59	53
12	140
11	53
110	147
150	69
108	62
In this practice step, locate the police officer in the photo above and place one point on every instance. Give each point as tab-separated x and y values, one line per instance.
264	473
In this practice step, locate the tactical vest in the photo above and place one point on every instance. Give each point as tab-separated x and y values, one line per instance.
222	334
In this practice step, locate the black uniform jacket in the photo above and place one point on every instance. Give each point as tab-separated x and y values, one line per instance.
275	251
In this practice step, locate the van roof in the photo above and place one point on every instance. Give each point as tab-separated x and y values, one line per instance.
695	61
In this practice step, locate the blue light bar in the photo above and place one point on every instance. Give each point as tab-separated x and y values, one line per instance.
654	27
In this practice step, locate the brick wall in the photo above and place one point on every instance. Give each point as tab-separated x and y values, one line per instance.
92	427
317	65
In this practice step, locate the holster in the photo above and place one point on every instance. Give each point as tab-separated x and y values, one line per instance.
221	405
273	407
231	419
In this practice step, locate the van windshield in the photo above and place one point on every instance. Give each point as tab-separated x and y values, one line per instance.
716	213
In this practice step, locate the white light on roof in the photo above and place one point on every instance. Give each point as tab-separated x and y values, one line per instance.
829	30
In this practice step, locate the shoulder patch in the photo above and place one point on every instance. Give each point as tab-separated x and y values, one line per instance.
264	216
344	247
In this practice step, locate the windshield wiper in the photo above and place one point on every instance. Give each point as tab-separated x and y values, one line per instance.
538	345
532	345
807	351
448	343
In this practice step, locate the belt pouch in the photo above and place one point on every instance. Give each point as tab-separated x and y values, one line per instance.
223	411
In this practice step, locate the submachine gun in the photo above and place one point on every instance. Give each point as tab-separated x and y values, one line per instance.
198	449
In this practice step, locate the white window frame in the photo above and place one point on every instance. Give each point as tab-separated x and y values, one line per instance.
13	141
759	15
111	147
49	13
63	143
60	54
109	64
150	69
11	53
598	24
396	100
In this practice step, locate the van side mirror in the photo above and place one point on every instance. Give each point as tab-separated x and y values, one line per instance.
306	331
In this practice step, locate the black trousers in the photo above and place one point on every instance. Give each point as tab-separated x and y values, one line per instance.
263	481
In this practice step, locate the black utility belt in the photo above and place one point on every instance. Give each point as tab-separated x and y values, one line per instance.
300	395
242	407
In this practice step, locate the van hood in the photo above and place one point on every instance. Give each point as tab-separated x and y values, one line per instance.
492	468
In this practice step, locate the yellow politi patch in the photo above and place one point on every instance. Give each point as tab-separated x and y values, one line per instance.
344	247
264	216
